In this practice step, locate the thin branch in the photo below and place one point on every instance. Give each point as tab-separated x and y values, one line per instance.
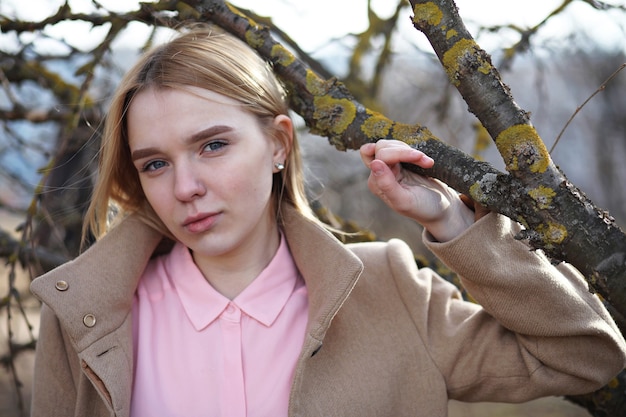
579	108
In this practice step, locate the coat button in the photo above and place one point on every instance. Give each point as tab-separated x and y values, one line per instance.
61	285
89	320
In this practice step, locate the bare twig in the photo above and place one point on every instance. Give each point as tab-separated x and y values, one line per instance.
579	108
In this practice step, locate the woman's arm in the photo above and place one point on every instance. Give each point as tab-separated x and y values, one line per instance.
539	331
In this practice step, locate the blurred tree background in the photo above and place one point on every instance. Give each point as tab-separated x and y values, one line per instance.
60	61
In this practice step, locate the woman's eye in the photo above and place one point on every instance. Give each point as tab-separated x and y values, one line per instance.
215	145
153	165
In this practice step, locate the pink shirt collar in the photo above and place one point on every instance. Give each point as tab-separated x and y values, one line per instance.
262	300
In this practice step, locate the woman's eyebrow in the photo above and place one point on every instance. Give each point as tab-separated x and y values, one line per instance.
208	132
143	153
196	137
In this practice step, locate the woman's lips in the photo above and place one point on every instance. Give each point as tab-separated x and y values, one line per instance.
200	223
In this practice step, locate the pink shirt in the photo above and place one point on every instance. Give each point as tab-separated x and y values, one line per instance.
199	354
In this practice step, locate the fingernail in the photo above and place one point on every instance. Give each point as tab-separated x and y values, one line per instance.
425	157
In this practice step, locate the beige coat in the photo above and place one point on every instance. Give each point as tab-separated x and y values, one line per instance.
383	338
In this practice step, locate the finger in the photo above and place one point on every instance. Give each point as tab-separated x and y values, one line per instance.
479	210
467	201
421	159
367	152
384	184
392	155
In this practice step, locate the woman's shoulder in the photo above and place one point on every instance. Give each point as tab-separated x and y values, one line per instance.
395	262
395	249
389	258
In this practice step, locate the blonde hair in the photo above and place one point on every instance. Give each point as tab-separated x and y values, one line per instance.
202	57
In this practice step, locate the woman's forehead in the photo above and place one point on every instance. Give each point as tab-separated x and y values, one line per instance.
165	93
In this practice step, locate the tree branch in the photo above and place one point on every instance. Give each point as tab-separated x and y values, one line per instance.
10	247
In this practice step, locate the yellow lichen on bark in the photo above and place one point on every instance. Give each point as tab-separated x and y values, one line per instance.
314	84
522	142
411	134
335	113
254	38
253	35
542	195
454	57
552	233
376	125
427	12
451	33
236	11
282	55
476	192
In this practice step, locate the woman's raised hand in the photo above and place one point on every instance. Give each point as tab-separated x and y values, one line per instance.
428	201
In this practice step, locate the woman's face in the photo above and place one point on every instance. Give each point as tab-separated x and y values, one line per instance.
206	168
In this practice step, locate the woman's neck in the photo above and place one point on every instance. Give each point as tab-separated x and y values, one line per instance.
231	274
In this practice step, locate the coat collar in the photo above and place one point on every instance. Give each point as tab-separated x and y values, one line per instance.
329	269
93	294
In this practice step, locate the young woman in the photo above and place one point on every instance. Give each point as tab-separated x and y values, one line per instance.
217	292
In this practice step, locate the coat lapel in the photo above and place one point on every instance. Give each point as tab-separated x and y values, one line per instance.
329	269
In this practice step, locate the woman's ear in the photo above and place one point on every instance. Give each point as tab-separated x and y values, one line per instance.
283	137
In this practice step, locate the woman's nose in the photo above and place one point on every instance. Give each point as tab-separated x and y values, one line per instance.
188	183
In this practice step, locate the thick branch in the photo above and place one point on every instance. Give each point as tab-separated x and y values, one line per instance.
10	247
559	218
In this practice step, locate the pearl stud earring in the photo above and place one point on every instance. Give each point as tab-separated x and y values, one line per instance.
279	166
